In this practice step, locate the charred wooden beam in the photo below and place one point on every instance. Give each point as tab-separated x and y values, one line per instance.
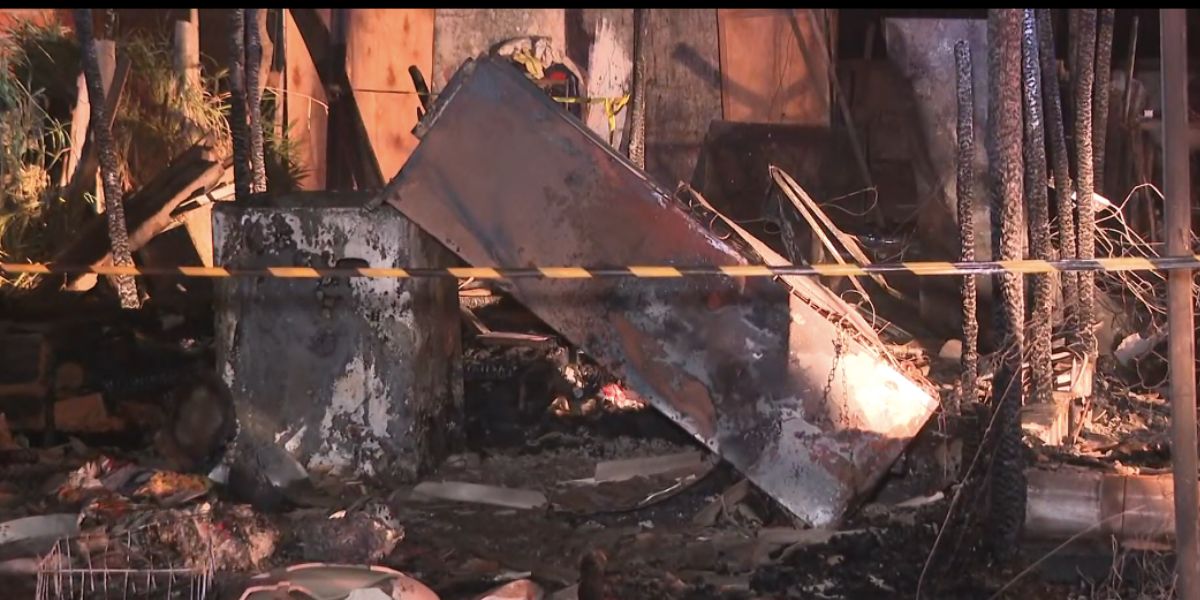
149	210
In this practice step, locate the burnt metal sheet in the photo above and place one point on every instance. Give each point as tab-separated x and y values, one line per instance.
802	407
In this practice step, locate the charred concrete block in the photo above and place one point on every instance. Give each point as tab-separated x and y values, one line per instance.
354	376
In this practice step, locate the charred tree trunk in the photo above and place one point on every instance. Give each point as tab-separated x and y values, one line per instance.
1041	369
637	104
1057	136
237	103
1004	149
1085	62
109	168
1100	92
254	52
966	216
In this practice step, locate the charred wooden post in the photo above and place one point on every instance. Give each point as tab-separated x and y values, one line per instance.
1084	37
1004	148
966	216
1041	369
237	103
254	52
1056	134
1180	318
1100	93
107	153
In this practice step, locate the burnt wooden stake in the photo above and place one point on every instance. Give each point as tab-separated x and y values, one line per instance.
110	174
1004	149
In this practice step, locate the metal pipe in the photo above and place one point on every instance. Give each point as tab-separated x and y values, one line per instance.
1181	350
1004	148
1040	367
1066	504
966	217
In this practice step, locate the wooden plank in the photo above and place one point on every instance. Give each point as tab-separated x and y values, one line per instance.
382	43
329	58
766	76
683	83
306	104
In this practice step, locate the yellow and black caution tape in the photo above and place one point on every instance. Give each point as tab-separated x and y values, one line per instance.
921	269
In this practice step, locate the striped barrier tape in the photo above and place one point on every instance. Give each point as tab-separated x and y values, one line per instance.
920	269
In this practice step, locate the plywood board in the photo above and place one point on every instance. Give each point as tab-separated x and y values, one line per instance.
381	44
307	106
767	75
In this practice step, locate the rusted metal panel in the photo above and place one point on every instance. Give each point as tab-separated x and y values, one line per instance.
805	409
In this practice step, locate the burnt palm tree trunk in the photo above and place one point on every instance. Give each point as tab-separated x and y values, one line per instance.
110	174
254	51
237	103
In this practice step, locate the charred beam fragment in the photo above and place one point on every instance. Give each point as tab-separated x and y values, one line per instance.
254	51
1057	136
1004	141
109	168
1041	370
966	214
1085	36
1100	93
237	103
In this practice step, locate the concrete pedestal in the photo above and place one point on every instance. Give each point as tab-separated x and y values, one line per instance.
351	377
